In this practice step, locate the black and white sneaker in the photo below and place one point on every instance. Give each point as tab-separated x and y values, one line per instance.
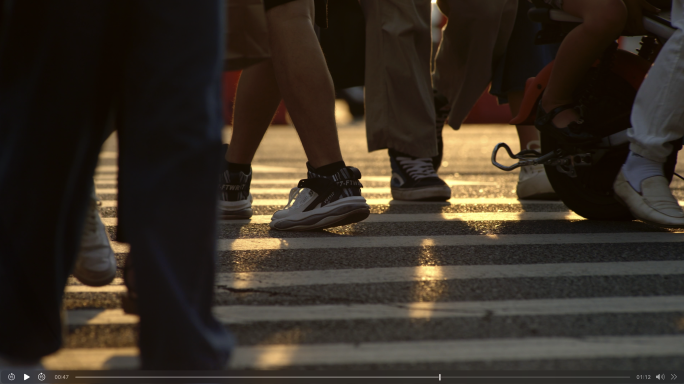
235	201
415	179
320	202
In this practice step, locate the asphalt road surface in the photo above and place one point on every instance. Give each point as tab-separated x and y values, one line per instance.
481	282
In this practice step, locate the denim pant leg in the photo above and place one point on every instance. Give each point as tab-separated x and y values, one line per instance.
54	108
170	156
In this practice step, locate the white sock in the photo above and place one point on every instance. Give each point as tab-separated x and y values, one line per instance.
638	169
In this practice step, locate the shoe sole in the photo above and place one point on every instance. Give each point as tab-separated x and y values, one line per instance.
89	281
235	215
343	215
442	193
636	217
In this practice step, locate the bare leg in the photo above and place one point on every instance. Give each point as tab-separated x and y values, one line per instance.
527	134
256	101
304	80
604	20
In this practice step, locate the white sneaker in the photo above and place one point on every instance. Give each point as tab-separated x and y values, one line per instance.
321	202
96	263
534	185
654	205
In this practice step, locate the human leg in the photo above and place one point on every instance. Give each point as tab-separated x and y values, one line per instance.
474	40
256	101
657	119
399	101
54	107
331	194
603	21
170	154
304	80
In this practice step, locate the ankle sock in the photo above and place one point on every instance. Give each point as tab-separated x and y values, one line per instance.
235	167
327	170
638	168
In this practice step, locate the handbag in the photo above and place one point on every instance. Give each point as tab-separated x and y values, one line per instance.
247	34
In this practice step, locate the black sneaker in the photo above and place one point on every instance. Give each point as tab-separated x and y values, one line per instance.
320	202
415	179
442	110
235	201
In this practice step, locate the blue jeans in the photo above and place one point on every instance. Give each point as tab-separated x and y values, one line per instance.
68	70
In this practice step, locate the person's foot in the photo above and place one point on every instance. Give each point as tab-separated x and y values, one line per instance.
654	205
534	185
95	263
415	179
320	202
572	129
235	201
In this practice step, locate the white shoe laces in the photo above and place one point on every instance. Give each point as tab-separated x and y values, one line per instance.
417	168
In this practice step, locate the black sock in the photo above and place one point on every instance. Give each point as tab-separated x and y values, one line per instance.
235	167
328	170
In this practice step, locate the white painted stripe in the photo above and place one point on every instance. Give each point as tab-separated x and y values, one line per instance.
261	280
438	241
86	289
107	168
101	177
255	169
271	191
478	201
109	155
245	314
266	191
423	217
386	179
404	352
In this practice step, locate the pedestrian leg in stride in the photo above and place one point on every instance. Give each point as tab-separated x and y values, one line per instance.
657	120
331	195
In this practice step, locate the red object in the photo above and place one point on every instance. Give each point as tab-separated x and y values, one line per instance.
627	65
230	81
488	111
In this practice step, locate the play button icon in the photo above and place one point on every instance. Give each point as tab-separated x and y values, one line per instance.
26	377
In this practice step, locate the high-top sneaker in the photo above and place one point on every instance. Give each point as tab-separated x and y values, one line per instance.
415	179
235	201
320	202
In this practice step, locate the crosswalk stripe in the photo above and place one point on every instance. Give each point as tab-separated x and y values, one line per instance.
294	182
438	241
423	217
255	168
454	201
244	314
261	280
266	191
401	352
278	191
